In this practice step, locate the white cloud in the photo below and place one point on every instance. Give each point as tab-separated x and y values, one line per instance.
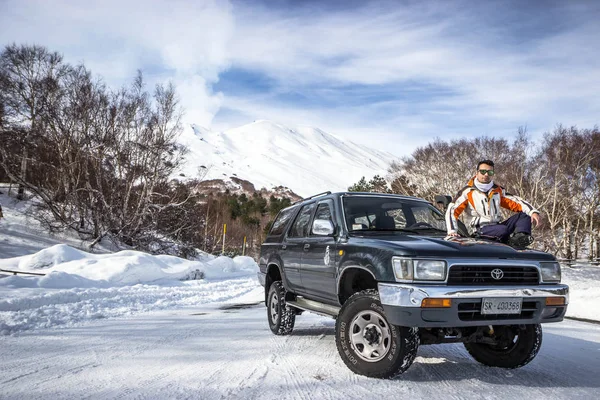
414	45
185	42
497	71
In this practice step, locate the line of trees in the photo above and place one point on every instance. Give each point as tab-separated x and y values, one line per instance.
560	176
100	161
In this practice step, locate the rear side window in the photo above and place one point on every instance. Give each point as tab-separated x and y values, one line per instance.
324	212
300	226
281	222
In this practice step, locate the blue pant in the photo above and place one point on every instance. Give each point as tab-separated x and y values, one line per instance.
520	222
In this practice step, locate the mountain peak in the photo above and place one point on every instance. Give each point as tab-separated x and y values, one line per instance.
268	154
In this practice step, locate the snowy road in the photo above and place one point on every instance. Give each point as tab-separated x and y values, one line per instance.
209	352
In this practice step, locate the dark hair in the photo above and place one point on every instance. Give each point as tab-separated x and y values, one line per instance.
488	162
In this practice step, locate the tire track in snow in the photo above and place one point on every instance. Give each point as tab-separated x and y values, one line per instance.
302	341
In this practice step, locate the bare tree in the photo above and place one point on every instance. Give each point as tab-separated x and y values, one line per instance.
29	78
560	177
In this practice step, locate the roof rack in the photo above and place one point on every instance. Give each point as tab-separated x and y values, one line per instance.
313	196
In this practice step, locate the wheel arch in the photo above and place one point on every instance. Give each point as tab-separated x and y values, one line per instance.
355	278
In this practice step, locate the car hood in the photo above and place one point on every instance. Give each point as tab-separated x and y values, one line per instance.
428	246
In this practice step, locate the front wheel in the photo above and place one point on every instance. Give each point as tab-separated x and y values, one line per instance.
368	344
516	346
281	317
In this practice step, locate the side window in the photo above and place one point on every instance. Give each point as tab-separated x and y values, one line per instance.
323	212
281	222
300	226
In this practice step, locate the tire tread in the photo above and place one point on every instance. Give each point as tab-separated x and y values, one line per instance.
287	318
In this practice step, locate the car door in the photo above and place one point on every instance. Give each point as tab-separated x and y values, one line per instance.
292	247
319	258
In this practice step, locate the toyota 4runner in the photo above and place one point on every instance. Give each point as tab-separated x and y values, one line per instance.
382	266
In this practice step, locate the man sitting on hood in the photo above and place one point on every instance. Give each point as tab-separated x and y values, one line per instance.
481	200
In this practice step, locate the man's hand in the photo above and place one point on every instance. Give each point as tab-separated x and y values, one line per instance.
536	220
454	234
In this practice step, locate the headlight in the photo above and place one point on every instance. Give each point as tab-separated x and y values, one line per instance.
430	270
550	271
408	269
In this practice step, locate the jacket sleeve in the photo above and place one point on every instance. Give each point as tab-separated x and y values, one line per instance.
455	209
516	204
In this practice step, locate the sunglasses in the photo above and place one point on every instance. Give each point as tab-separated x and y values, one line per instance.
490	172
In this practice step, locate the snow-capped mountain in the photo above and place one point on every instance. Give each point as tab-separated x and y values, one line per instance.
304	159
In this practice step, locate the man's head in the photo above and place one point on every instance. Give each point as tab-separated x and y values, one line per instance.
485	171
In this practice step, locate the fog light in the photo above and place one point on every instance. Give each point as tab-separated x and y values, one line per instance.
436	303
555	301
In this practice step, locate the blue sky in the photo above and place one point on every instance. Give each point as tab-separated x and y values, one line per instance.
392	75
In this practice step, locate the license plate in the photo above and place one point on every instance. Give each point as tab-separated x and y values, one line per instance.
501	305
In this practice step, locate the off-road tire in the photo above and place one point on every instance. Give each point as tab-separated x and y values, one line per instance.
526	346
281	317
398	344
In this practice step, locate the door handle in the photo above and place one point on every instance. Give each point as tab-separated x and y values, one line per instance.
283	246
306	246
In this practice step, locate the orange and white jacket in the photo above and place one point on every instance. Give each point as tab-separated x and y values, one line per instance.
482	208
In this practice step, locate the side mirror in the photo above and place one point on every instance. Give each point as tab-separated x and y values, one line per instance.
322	227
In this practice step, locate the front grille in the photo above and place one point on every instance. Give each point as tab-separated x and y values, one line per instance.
482	275
472	312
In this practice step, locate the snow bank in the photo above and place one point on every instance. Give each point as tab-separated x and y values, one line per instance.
67	267
46	308
584	291
79	286
227	268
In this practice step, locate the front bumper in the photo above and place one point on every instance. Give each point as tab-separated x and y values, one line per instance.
402	305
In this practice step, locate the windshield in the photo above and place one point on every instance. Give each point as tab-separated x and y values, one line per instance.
372	213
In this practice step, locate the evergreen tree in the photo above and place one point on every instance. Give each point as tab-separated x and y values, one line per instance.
360	186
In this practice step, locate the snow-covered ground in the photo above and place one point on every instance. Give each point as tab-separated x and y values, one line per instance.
584	290
21	234
226	351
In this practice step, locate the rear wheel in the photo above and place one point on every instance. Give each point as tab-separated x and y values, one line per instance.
516	346
281	317
368	344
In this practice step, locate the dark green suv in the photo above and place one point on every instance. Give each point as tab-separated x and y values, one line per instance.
382	266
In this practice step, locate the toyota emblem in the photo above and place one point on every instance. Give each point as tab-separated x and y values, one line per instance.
497	274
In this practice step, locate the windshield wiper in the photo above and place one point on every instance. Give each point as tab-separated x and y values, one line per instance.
428	228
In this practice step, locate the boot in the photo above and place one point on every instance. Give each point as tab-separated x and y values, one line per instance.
520	240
